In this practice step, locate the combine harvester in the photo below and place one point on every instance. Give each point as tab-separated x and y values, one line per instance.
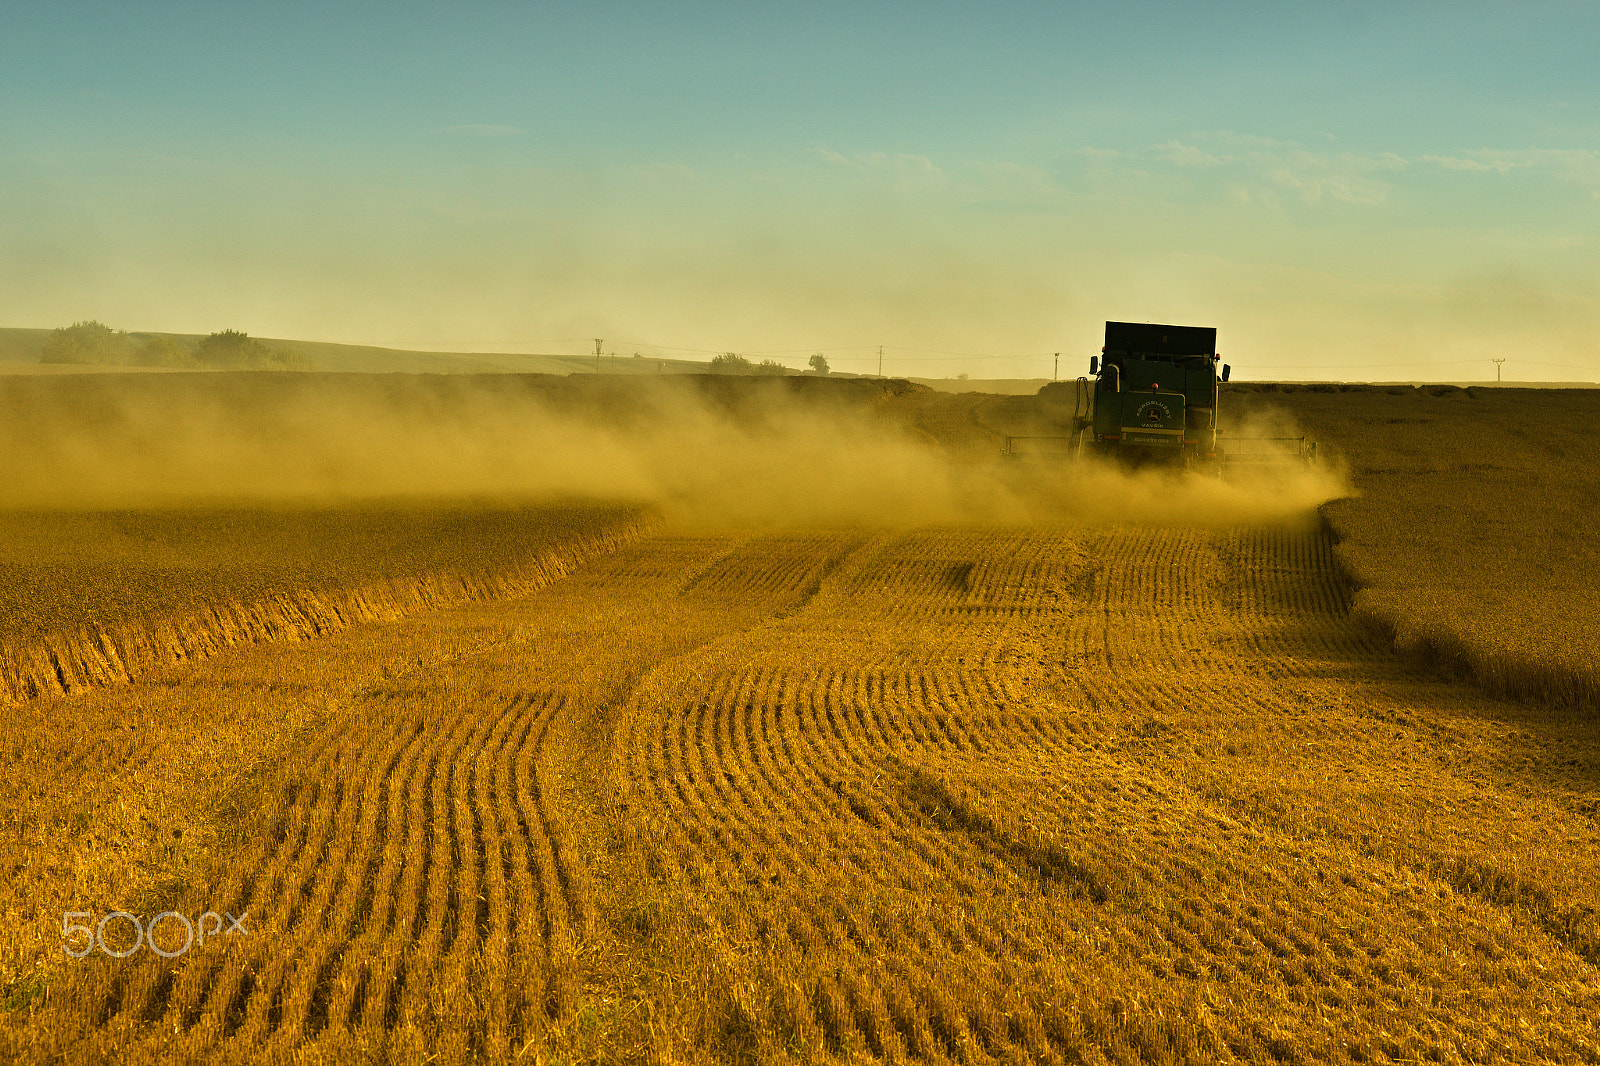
1151	398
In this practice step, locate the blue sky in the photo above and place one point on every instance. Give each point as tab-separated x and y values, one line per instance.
1352	192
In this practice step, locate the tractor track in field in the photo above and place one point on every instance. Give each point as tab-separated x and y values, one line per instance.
952	795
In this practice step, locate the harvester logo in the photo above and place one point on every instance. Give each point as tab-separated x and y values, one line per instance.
1154	413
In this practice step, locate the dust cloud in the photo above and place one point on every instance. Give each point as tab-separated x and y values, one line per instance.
707	452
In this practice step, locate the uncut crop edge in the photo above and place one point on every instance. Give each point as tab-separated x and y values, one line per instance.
65	663
1496	672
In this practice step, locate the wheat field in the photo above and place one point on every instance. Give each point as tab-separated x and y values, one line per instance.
581	784
949	795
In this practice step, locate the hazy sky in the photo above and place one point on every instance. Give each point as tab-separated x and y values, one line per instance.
1343	189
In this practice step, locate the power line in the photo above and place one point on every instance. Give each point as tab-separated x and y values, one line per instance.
939	355
1405	366
813	348
670	348
869	349
1365	366
1564	366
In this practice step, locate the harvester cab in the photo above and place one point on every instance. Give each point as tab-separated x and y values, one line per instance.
1153	396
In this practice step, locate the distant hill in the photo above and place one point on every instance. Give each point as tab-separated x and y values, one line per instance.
25	346
20	350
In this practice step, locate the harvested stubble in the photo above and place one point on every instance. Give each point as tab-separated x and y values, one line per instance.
958	795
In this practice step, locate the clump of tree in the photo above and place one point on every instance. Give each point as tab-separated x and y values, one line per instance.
158	350
819	364
97	344
89	342
731	363
234	350
734	363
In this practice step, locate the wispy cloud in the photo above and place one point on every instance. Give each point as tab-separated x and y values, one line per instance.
1185	155
1315	177
1580	165
902	171
1447	162
1261	165
482	130
1526	158
901	162
1344	177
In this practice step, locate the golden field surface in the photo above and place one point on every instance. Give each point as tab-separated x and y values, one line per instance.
1465	528
101	568
91	596
1063	785
1472	532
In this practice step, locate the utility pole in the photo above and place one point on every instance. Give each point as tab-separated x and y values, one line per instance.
1497	363
1055	375
880	360
597	355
